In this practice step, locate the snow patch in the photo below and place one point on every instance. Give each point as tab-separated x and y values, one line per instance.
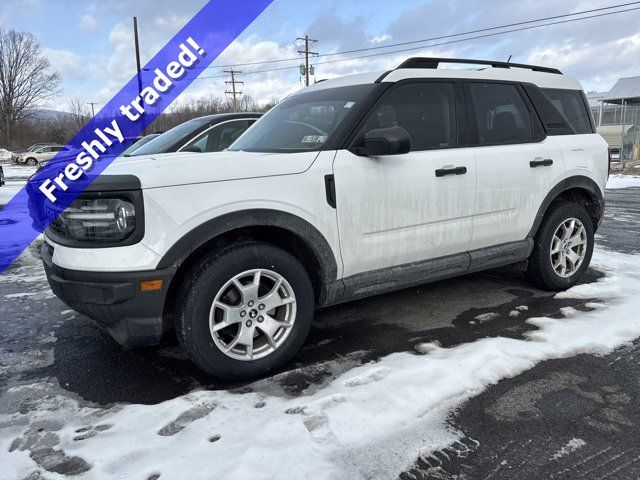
485	317
571	446
623	181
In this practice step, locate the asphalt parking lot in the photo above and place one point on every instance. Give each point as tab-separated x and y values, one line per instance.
567	418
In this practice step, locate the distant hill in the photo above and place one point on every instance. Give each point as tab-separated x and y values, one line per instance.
48	114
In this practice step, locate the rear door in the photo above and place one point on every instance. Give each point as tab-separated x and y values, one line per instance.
517	165
397	209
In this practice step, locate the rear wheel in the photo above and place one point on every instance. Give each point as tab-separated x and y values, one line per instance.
563	247
245	311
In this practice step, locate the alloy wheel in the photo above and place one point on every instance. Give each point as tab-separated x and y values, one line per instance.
252	314
568	247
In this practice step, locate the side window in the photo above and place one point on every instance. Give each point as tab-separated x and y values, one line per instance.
571	106
501	116
220	136
427	111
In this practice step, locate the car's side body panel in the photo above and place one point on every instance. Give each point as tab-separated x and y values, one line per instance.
510	191
394	210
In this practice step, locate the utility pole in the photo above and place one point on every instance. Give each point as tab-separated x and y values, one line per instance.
234	92
304	69
137	47
93	113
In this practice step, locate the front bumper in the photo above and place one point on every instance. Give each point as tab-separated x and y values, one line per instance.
114	300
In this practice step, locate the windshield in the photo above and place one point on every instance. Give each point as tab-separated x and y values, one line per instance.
162	143
302	122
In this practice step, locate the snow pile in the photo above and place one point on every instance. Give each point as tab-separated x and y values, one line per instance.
18	172
372	421
4	155
623	181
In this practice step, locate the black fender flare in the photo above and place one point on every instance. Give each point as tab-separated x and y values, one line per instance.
215	227
578	181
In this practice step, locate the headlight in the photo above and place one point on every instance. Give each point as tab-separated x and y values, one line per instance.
96	220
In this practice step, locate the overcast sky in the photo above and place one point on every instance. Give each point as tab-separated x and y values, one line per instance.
90	43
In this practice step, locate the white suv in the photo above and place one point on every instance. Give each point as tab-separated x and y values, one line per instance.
352	187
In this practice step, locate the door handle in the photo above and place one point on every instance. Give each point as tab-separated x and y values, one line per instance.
441	172
547	162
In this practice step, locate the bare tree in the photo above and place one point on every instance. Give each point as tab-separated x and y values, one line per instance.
25	80
80	113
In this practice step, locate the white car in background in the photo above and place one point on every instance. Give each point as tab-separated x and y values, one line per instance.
41	155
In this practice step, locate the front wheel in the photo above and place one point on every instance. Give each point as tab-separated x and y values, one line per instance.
563	247
32	162
245	311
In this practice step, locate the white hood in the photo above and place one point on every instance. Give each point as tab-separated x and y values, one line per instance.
184	168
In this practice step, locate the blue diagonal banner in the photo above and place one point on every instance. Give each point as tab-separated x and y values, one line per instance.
122	119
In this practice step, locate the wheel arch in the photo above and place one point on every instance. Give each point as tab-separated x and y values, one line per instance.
579	189
290	232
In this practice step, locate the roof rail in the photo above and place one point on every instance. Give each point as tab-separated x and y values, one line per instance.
430	62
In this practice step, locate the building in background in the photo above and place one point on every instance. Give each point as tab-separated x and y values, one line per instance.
617	116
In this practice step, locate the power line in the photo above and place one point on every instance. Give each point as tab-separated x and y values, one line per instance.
531	27
442	37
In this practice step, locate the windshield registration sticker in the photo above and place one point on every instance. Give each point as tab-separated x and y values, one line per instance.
314	139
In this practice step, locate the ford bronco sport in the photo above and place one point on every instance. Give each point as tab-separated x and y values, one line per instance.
352	187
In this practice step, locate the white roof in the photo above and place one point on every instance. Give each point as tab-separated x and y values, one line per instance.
625	89
542	79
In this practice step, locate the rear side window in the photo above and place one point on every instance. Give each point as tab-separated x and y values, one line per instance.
501	116
426	110
571	106
220	136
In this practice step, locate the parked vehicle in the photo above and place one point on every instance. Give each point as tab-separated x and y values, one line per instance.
139	143
352	187
41	155
32	148
211	133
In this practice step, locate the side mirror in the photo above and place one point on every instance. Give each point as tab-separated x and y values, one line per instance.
384	141
191	148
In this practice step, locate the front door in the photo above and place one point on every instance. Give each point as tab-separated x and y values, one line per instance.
397	209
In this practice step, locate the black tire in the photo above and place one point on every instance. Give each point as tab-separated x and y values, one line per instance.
208	277
32	162
540	270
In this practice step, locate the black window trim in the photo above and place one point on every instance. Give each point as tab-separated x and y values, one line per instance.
356	129
592	121
539	133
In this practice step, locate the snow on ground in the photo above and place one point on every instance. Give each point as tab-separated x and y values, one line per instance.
15	178
571	446
371	422
18	172
623	181
8	190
